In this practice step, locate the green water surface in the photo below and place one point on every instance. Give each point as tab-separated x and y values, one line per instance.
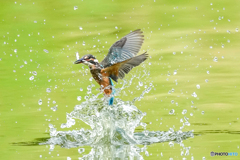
180	35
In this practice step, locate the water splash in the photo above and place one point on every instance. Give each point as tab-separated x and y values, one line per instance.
110	124
112	127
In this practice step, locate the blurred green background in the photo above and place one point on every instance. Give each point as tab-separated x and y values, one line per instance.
191	43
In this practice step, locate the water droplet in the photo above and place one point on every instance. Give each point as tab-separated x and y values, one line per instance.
171	111
172	101
83	43
116	27
140	83
15	50
75	7
203	158
182	153
80	28
51	147
206	80
143	124
174	53
194	94
236	29
198	86
146	153
149	63
215	59
40	101
69	158
63	125
46	51
210	47
222	57
175	72
79	98
228	41
81	89
187	123
89	87
195	40
34	73
171	130
31	78
191	114
208	72
171	144
54	108
222	45
48	90
81	150
203	112
184	111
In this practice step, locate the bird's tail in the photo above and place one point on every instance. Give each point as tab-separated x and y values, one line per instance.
112	98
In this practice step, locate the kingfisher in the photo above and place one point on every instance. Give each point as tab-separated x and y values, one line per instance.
121	58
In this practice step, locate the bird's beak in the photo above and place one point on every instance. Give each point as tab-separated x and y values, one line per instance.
79	61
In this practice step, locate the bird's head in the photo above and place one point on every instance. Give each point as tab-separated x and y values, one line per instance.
88	59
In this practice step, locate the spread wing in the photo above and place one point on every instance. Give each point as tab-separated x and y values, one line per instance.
124	49
118	70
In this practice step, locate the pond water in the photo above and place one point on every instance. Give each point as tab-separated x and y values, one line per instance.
181	103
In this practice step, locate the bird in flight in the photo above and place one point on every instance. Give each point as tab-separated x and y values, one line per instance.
119	61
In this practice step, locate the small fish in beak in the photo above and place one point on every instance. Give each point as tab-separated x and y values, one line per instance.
79	61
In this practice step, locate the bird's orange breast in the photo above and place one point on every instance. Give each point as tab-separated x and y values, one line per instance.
102	78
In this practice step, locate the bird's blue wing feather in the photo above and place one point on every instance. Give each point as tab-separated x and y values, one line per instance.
124	49
118	55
